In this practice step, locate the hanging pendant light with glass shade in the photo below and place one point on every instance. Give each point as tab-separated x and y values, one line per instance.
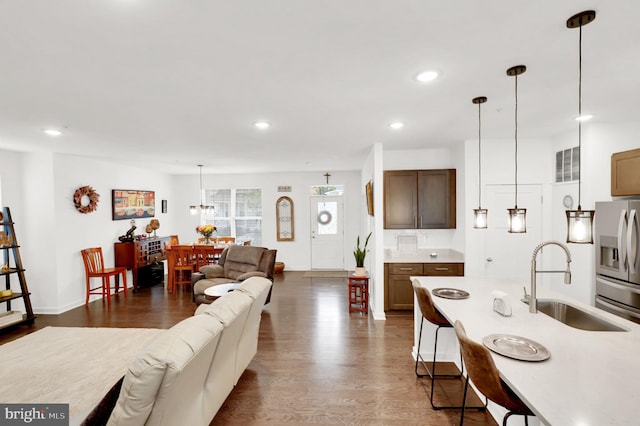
203	207
517	216
580	222
479	214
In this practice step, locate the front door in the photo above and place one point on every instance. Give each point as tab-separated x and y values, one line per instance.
327	236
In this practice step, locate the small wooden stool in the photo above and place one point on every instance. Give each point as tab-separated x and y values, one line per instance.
358	293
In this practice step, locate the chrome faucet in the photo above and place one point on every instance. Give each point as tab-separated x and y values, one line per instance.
533	302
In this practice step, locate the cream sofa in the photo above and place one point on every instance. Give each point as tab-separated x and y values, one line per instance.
185	374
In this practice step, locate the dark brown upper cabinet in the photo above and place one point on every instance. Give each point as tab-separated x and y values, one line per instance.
420	199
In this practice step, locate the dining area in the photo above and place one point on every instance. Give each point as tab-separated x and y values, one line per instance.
185	259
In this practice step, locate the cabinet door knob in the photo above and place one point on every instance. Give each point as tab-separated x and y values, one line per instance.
489	259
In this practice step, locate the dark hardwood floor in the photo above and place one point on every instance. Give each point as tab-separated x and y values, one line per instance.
316	363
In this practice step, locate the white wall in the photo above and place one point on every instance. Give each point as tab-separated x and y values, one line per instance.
295	254
372	171
599	141
52	233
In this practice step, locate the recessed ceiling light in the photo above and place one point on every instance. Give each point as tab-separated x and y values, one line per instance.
261	125
52	132
427	76
584	117
396	125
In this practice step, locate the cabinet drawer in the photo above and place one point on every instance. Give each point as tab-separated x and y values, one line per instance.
405	269
444	269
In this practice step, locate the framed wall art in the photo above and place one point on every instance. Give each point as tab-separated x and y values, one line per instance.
132	204
369	191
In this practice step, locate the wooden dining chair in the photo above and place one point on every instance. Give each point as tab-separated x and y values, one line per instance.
226	240
94	268
204	255
482	370
173	241
180	266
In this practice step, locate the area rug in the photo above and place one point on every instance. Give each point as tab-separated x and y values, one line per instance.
325	274
74	365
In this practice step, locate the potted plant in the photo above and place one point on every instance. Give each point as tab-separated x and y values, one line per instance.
360	254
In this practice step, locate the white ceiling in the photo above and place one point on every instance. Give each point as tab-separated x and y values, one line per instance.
170	84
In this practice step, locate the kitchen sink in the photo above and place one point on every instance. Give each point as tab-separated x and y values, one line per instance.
575	317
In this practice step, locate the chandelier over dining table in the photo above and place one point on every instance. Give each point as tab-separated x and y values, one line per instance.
203	207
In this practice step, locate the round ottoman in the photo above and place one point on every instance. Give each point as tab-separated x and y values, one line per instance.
278	268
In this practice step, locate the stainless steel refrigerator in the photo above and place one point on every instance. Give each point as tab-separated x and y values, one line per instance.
617	230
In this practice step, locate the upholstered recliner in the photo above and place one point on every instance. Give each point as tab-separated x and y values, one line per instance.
236	264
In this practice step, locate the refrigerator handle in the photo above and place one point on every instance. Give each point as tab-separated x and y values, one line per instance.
631	249
622	248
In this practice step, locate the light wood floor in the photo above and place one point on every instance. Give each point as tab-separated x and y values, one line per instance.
316	363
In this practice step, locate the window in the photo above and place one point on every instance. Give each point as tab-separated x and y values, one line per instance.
327	190
237	213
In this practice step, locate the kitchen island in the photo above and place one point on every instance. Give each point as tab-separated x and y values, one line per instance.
591	378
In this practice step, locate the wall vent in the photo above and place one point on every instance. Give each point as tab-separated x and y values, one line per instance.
568	165
284	188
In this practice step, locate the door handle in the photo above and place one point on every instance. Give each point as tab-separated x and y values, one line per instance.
622	248
631	249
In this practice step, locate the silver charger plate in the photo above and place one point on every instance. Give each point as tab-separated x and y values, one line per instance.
450	293
516	347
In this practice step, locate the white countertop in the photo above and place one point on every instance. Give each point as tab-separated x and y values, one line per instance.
592	377
423	255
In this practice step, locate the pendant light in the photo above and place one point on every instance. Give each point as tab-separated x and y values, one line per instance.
203	207
479	214
580	222
517	216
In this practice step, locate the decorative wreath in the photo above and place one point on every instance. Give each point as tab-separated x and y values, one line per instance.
324	217
91	194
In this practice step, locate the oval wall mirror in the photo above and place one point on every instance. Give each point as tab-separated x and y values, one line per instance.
284	219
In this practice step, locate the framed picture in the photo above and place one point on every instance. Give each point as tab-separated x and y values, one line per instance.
164	206
132	204
369	191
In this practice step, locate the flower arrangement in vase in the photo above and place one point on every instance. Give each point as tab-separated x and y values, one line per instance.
360	254
206	231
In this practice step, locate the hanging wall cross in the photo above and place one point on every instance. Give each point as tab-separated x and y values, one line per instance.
327	176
